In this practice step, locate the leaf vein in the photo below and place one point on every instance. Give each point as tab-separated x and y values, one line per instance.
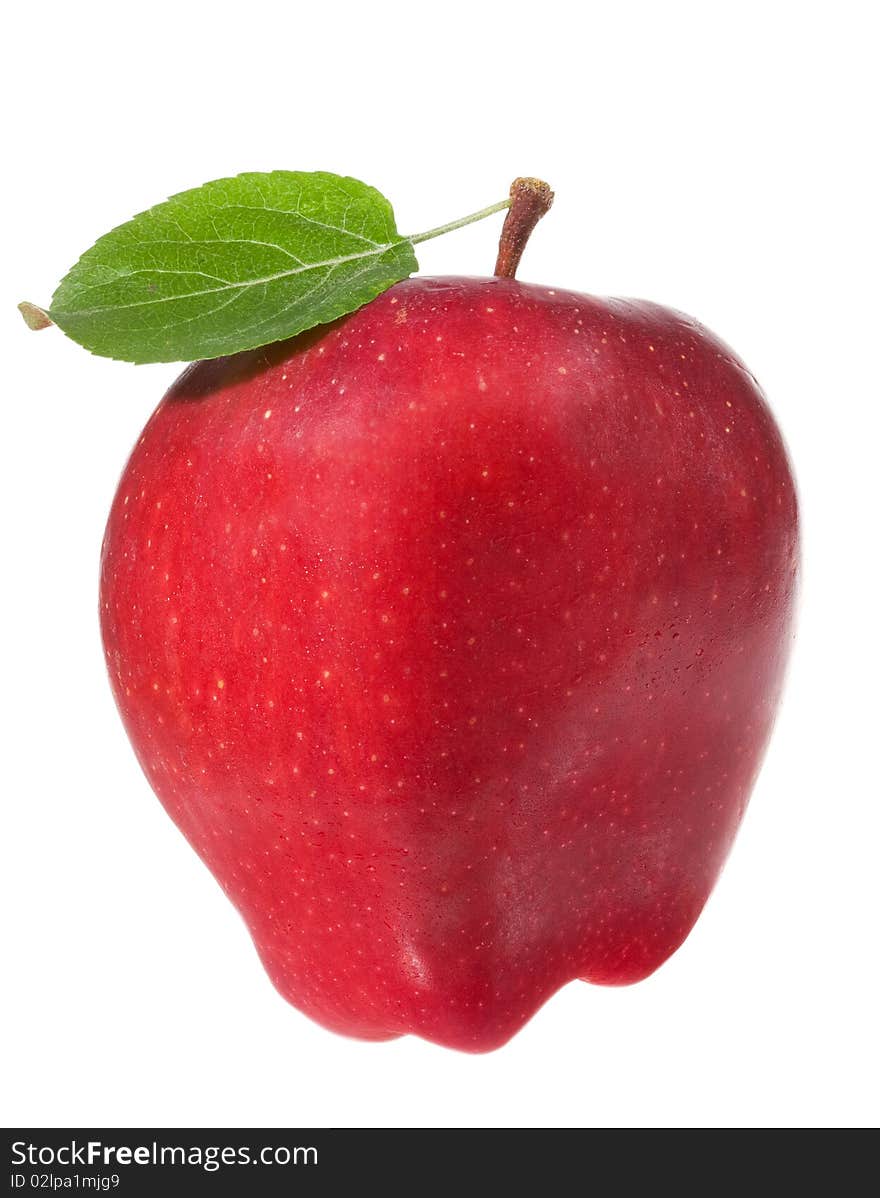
283	274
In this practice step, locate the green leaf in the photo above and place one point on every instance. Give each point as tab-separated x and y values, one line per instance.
233	265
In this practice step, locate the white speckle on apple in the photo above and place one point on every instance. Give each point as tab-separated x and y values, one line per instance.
267	414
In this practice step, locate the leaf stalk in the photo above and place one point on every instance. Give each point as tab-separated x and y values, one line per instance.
459	224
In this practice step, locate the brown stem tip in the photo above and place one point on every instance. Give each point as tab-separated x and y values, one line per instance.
529	200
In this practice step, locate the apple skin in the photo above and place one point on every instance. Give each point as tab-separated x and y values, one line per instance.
451	636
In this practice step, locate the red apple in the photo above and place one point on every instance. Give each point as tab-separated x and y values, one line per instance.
451	636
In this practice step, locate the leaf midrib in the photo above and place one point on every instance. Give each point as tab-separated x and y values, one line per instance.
283	274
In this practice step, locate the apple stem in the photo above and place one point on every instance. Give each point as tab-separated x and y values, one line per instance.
415	238
530	199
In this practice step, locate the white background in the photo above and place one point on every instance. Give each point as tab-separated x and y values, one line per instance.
717	158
